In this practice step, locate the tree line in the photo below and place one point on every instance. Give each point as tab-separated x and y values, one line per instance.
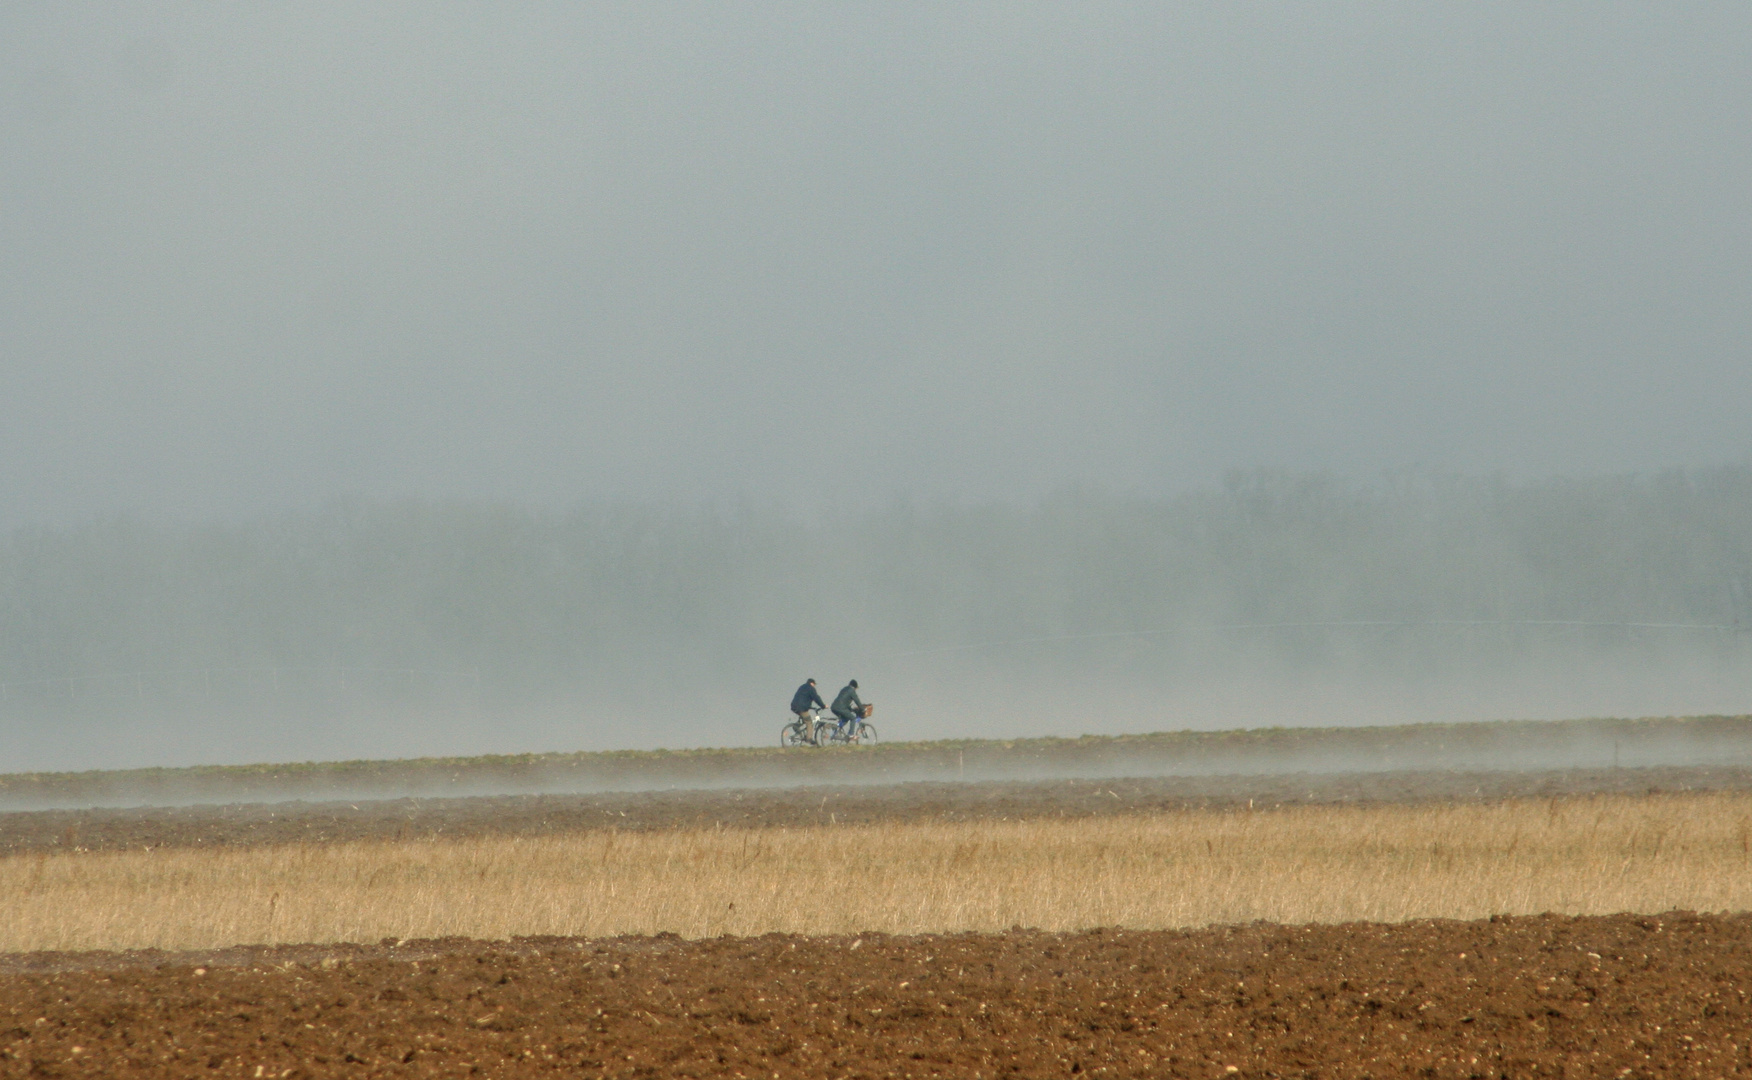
544	600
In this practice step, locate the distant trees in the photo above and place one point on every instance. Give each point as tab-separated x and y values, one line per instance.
541	600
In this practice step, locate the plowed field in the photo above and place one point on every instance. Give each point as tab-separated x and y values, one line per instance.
1548	996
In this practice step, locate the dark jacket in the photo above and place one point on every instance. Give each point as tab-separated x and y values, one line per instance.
848	703
805	697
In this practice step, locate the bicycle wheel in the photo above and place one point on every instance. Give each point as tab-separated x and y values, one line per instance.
792	734
866	733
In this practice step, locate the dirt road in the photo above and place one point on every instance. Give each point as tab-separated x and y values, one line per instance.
1548	996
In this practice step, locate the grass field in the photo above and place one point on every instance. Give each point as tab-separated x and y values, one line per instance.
1295	865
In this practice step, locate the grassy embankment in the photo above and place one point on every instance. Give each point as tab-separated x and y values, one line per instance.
1307	864
1511	744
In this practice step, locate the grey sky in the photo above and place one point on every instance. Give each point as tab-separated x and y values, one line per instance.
254	256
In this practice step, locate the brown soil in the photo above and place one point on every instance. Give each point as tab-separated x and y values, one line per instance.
296	822
1548	996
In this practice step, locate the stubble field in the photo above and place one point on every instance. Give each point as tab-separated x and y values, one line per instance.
1380	863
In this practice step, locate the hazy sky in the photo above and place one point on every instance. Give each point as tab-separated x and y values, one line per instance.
253	256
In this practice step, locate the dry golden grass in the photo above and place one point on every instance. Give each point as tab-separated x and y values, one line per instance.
1310	864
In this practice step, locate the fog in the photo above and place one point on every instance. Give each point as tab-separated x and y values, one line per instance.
400	380
421	627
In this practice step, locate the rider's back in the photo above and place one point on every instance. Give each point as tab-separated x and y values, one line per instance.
806	697
847	703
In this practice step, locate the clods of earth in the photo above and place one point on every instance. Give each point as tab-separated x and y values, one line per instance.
1615	996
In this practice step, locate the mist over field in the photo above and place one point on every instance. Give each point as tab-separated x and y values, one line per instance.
418	628
388	380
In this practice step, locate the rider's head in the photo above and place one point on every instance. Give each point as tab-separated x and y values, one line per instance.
854	684
811	682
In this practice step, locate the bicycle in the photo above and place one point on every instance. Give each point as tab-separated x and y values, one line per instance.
804	730
851	735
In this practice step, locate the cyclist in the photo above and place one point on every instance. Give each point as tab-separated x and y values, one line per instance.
806	698
848	708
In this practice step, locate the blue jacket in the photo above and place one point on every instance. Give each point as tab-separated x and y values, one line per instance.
804	697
